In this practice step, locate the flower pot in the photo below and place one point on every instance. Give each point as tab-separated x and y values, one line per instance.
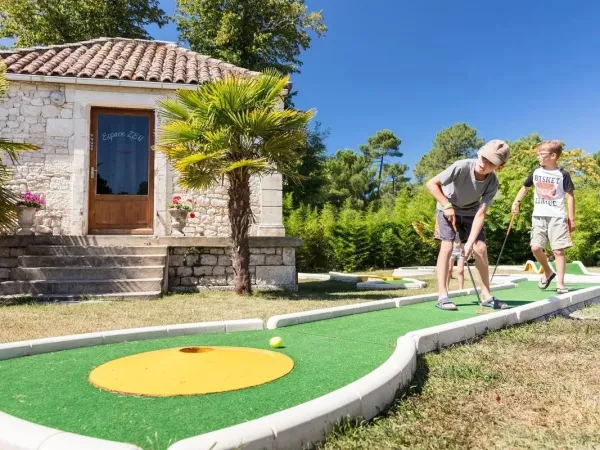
178	217
26	219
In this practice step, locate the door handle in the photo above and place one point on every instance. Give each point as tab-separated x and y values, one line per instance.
92	172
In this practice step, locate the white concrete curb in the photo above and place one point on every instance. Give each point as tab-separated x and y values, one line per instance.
18	434
310	422
55	344
286	320
382	285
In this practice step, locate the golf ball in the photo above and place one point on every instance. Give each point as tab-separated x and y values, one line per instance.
275	342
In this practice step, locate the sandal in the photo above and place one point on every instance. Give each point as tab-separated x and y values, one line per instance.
544	284
494	303
446	304
562	291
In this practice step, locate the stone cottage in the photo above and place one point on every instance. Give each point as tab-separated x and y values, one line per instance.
91	108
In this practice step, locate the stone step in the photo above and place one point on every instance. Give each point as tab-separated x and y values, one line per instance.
92	261
86	273
79	288
76	250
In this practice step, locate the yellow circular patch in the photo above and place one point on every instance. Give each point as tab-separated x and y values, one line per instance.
190	371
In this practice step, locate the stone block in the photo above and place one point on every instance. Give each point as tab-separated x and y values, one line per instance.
8	262
289	257
217	251
30	110
184	271
189	281
176	261
179	250
208	260
224	261
273	181
271	198
50	111
59	127
203	270
257	260
191	260
218	270
273	260
17	251
276	275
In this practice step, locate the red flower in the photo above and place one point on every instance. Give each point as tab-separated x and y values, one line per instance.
192	215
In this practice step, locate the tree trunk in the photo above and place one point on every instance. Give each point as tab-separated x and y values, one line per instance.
379	178
240	216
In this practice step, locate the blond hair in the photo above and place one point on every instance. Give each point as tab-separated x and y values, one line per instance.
553	146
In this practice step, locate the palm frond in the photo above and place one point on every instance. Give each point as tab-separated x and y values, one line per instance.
253	164
176	132
200	159
12	149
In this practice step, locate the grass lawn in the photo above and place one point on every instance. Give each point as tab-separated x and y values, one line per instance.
531	387
35	320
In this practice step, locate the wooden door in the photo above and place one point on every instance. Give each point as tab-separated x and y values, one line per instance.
121	171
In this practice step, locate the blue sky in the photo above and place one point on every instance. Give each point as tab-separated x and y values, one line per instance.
507	68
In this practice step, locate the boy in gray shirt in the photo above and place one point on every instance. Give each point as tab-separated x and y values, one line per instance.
464	192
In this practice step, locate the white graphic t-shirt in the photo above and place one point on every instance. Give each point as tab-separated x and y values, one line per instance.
550	188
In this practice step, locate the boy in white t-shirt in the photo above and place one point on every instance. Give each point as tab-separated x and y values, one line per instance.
551	221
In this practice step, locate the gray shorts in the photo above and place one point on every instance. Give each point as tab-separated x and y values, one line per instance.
550	229
445	232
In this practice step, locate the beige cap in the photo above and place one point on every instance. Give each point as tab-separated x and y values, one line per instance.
495	151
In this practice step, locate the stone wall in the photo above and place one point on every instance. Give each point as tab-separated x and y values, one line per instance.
29	114
8	260
210	209
56	117
202	268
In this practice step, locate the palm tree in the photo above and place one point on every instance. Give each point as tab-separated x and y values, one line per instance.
8	198
232	129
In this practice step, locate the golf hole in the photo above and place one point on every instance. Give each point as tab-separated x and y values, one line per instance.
196	350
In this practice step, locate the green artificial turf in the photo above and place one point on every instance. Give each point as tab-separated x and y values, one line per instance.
52	389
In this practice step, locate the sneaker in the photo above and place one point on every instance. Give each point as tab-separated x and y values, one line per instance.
494	303
445	304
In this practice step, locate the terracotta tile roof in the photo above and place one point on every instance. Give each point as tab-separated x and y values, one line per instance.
119	59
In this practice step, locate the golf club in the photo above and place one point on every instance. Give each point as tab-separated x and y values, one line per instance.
512	219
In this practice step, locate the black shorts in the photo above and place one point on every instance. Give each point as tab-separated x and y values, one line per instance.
445	232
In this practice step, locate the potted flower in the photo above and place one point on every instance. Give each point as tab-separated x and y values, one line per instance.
178	210
28	205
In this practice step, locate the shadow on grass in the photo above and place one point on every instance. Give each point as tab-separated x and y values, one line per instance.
331	291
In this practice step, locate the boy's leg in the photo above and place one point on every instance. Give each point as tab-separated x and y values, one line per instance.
446	235
560	239
561	267
539	241
481	262
460	269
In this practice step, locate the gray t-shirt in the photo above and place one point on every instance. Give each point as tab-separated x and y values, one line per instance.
465	192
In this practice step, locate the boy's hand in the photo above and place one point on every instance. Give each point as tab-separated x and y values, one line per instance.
449	214
571	223
467	250
516	207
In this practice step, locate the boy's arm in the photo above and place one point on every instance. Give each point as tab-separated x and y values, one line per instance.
435	187
571	206
568	187
516	206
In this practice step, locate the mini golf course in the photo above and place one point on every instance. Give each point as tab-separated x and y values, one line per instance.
54	389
